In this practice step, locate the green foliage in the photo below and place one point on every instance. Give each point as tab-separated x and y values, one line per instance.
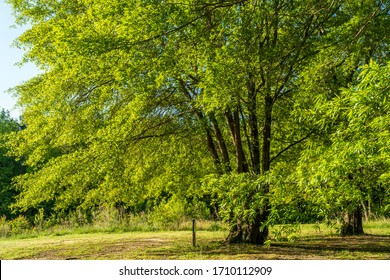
19	225
239	196
4	227
9	167
286	232
170	213
39	219
141	102
352	169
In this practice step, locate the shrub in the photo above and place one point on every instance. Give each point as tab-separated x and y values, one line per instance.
19	225
4	227
168	215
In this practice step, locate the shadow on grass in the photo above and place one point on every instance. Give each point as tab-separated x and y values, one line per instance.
363	245
329	247
178	246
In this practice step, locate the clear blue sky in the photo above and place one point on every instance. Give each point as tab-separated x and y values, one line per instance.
10	74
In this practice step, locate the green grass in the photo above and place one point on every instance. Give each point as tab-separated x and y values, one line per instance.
378	227
310	242
64	229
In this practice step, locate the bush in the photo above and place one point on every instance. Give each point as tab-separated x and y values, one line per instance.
5	228
169	214
19	225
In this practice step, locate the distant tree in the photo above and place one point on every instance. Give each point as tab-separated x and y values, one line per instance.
9	166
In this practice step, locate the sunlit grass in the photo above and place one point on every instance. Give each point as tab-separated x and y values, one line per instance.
309	242
378	227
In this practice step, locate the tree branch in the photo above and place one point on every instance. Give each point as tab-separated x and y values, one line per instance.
214	6
291	145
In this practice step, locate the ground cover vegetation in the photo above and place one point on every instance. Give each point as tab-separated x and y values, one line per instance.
311	242
255	113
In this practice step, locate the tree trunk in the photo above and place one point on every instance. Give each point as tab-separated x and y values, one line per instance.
254	130
256	231
365	212
242	165
255	235
353	223
244	232
253	232
221	143
205	125
230	123
266	159
266	164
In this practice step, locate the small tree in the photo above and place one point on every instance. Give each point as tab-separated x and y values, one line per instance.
344	174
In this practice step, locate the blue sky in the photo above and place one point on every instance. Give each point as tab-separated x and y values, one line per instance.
10	74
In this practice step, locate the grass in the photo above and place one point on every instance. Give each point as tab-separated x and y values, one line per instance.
310	242
106	227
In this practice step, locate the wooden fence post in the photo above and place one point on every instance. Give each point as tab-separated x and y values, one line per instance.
193	233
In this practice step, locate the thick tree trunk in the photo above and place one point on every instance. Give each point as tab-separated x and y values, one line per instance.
353	223
255	235
236	234
256	231
249	232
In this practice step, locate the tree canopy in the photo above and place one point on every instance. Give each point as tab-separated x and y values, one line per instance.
141	101
352	170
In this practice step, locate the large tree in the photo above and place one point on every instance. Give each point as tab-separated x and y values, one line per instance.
138	96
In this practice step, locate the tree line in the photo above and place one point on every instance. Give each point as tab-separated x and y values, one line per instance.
265	111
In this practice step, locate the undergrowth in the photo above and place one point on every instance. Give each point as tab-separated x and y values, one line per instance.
111	221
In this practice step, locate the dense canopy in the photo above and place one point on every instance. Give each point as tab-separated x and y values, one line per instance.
262	110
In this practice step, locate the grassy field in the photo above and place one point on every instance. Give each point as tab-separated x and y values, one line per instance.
309	243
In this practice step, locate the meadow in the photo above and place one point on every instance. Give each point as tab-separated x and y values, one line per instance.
307	242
